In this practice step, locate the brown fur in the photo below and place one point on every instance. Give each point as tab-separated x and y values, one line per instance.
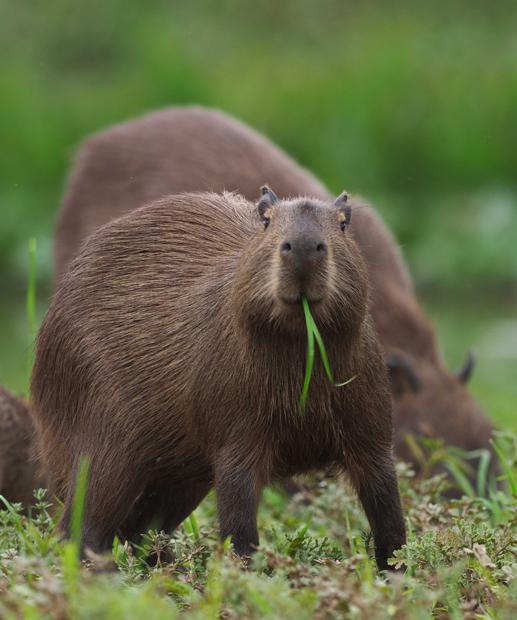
195	149
18	477
173	356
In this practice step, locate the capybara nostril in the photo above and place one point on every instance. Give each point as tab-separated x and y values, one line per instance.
285	248
321	248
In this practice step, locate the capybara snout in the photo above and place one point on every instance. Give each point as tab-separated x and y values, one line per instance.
302	254
303	266
305	242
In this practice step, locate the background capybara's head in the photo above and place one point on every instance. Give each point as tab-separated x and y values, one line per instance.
419	412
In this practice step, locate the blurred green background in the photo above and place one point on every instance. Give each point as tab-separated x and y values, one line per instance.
411	104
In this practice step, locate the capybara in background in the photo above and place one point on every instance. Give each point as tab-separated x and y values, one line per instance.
173	357
18	472
195	149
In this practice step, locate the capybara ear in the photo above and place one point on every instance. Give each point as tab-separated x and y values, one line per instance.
345	210
402	375
269	198
465	372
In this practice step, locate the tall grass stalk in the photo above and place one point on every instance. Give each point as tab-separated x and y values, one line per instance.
31	300
78	506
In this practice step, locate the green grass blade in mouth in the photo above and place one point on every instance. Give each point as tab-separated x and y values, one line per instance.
345	382
311	324
309	363
314	333
321	347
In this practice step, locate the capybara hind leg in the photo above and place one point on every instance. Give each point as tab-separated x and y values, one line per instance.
376	485
164	508
181	500
238	493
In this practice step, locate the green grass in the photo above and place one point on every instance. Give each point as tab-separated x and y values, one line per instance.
315	561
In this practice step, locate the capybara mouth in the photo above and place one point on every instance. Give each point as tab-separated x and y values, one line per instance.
296	300
291	288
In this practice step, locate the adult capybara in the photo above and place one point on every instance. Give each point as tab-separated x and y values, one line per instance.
18	473
173	357
195	149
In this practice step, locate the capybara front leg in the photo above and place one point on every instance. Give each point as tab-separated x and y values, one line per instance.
238	494
376	485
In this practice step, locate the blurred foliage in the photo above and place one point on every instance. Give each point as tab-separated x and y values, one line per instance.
410	103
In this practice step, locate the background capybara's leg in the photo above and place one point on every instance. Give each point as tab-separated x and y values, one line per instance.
375	481
238	493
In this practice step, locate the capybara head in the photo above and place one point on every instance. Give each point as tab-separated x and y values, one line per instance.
432	402
302	249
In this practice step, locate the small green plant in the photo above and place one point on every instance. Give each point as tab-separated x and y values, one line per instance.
313	333
191	525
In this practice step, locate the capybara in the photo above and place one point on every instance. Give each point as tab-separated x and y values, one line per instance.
195	149
18	472
173	356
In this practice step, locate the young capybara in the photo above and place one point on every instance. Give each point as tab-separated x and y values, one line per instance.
195	149
18	472
173	357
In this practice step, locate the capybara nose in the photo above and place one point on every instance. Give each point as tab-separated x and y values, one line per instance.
303	254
